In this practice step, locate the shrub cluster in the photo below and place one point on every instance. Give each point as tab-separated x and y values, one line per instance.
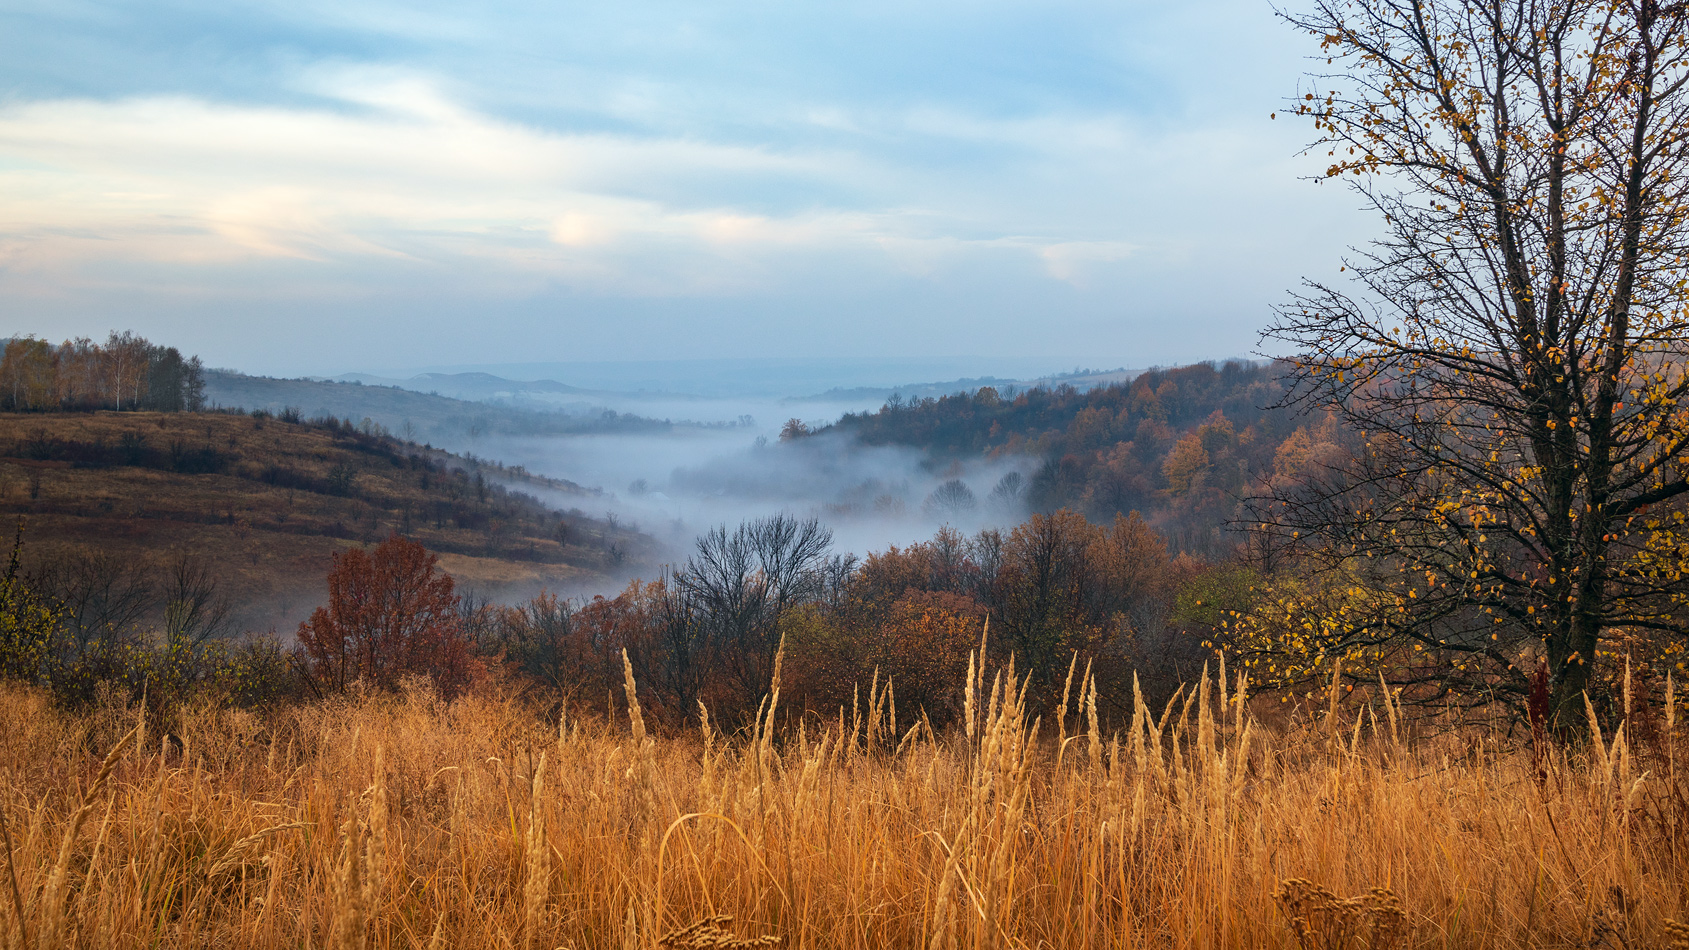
1069	600
1055	588
77	626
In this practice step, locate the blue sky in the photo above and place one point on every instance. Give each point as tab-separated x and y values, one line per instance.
313	186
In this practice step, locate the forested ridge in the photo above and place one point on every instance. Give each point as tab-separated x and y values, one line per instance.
1182	446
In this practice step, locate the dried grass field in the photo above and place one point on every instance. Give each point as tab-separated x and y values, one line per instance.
397	822
266	503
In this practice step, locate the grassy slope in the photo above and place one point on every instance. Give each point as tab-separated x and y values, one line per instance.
268	503
411	824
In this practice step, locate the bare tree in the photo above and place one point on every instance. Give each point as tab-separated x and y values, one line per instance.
1513	347
104	597
1009	494
739	584
194	610
950	500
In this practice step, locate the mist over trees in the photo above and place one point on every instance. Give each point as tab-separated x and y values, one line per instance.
950	500
904	620
1180	446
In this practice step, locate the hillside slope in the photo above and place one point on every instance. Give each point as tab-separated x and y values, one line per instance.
419	416
264	504
1182	446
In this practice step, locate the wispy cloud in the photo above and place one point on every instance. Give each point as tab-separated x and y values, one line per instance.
970	167
409	174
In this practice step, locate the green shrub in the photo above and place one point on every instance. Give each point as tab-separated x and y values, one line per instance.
27	623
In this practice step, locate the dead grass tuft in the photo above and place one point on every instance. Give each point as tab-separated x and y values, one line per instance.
407	822
1323	921
710	934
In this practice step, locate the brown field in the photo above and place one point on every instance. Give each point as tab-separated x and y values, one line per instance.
273	501
403	822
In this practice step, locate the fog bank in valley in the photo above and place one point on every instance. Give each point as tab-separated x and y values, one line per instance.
672	463
676	484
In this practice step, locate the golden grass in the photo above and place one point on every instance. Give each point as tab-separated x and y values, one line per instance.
404	822
270	545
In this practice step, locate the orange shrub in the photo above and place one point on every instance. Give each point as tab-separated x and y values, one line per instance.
390	614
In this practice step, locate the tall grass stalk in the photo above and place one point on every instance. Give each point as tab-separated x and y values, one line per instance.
398	822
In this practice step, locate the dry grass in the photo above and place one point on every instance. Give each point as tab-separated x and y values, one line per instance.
270	542
403	822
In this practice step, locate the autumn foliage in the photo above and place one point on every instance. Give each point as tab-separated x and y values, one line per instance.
127	372
901	623
1179	446
391	614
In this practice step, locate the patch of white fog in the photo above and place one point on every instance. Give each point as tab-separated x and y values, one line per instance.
730	465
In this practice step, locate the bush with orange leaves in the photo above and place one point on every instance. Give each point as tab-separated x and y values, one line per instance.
919	644
391	614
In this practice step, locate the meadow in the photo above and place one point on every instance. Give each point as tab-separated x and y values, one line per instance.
266	502
399	820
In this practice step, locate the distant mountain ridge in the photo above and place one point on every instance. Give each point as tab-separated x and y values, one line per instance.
758	377
1079	379
479	387
420	416
550	394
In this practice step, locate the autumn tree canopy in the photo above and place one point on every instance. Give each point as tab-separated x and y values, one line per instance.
126	373
390	614
1512	348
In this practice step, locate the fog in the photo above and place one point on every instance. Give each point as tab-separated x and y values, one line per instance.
671	450
673	485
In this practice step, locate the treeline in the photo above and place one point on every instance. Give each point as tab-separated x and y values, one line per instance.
897	630
764	601
126	372
1181	446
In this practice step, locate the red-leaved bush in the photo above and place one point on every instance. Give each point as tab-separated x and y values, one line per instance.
391	614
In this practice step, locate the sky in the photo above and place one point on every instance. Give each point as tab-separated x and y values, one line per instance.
321	186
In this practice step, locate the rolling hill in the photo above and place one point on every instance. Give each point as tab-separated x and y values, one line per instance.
419	416
265	502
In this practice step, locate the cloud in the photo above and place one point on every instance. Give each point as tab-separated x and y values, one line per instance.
580	229
917	175
1068	260
408	175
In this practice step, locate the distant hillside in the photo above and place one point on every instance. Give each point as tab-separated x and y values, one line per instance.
1082	379
1181	446
751	377
266	502
908	392
419	416
544	395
